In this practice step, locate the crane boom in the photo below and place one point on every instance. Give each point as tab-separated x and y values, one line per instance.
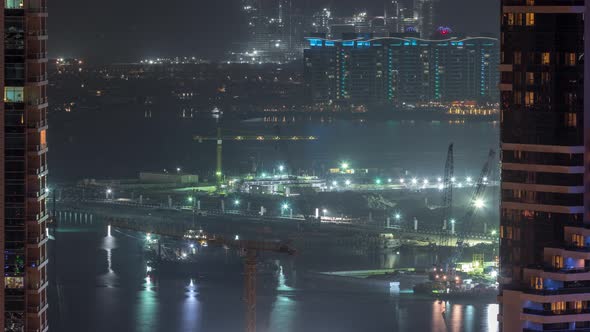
219	138
254	138
480	188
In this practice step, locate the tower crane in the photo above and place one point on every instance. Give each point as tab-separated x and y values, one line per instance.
476	198
220	138
248	248
480	187
447	198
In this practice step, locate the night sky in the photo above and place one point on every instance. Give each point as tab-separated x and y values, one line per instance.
115	30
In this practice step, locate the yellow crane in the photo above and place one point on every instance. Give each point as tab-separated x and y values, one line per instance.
241	138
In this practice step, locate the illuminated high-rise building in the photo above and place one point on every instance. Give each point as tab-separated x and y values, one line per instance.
401	69
24	167
545	141
425	12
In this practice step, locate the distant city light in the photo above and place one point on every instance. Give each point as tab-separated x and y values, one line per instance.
345	165
414	181
439	179
425	181
334	183
348	183
237	202
402	181
469	179
281	168
398	216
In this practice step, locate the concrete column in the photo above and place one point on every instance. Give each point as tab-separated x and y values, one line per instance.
140	199
222	206
415	224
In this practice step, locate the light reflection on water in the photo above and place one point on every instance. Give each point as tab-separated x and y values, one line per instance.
147	307
295	301
191	309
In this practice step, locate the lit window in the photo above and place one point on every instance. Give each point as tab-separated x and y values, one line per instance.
510	19
530	78
517	97
545	58
558	262
530	19
570	59
529	98
578	306
577	240
14	4
558	307
517	58
537	283
43	137
14	94
571	120
530	2
14	282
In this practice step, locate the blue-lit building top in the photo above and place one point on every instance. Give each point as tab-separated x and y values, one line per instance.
402	69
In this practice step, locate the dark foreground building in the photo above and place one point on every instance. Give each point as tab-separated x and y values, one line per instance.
402	69
545	134
23	146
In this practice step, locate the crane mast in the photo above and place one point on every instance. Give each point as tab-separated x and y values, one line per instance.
447	198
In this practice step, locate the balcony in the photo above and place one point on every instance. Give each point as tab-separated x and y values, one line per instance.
560	274
37	103
39	34
37	263
43	328
38	172
38	218
36	240
541	312
37	310
37	196
37	126
577	330
37	80
37	56
37	150
37	287
37	10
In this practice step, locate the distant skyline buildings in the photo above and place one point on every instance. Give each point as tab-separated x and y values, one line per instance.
402	69
277	28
